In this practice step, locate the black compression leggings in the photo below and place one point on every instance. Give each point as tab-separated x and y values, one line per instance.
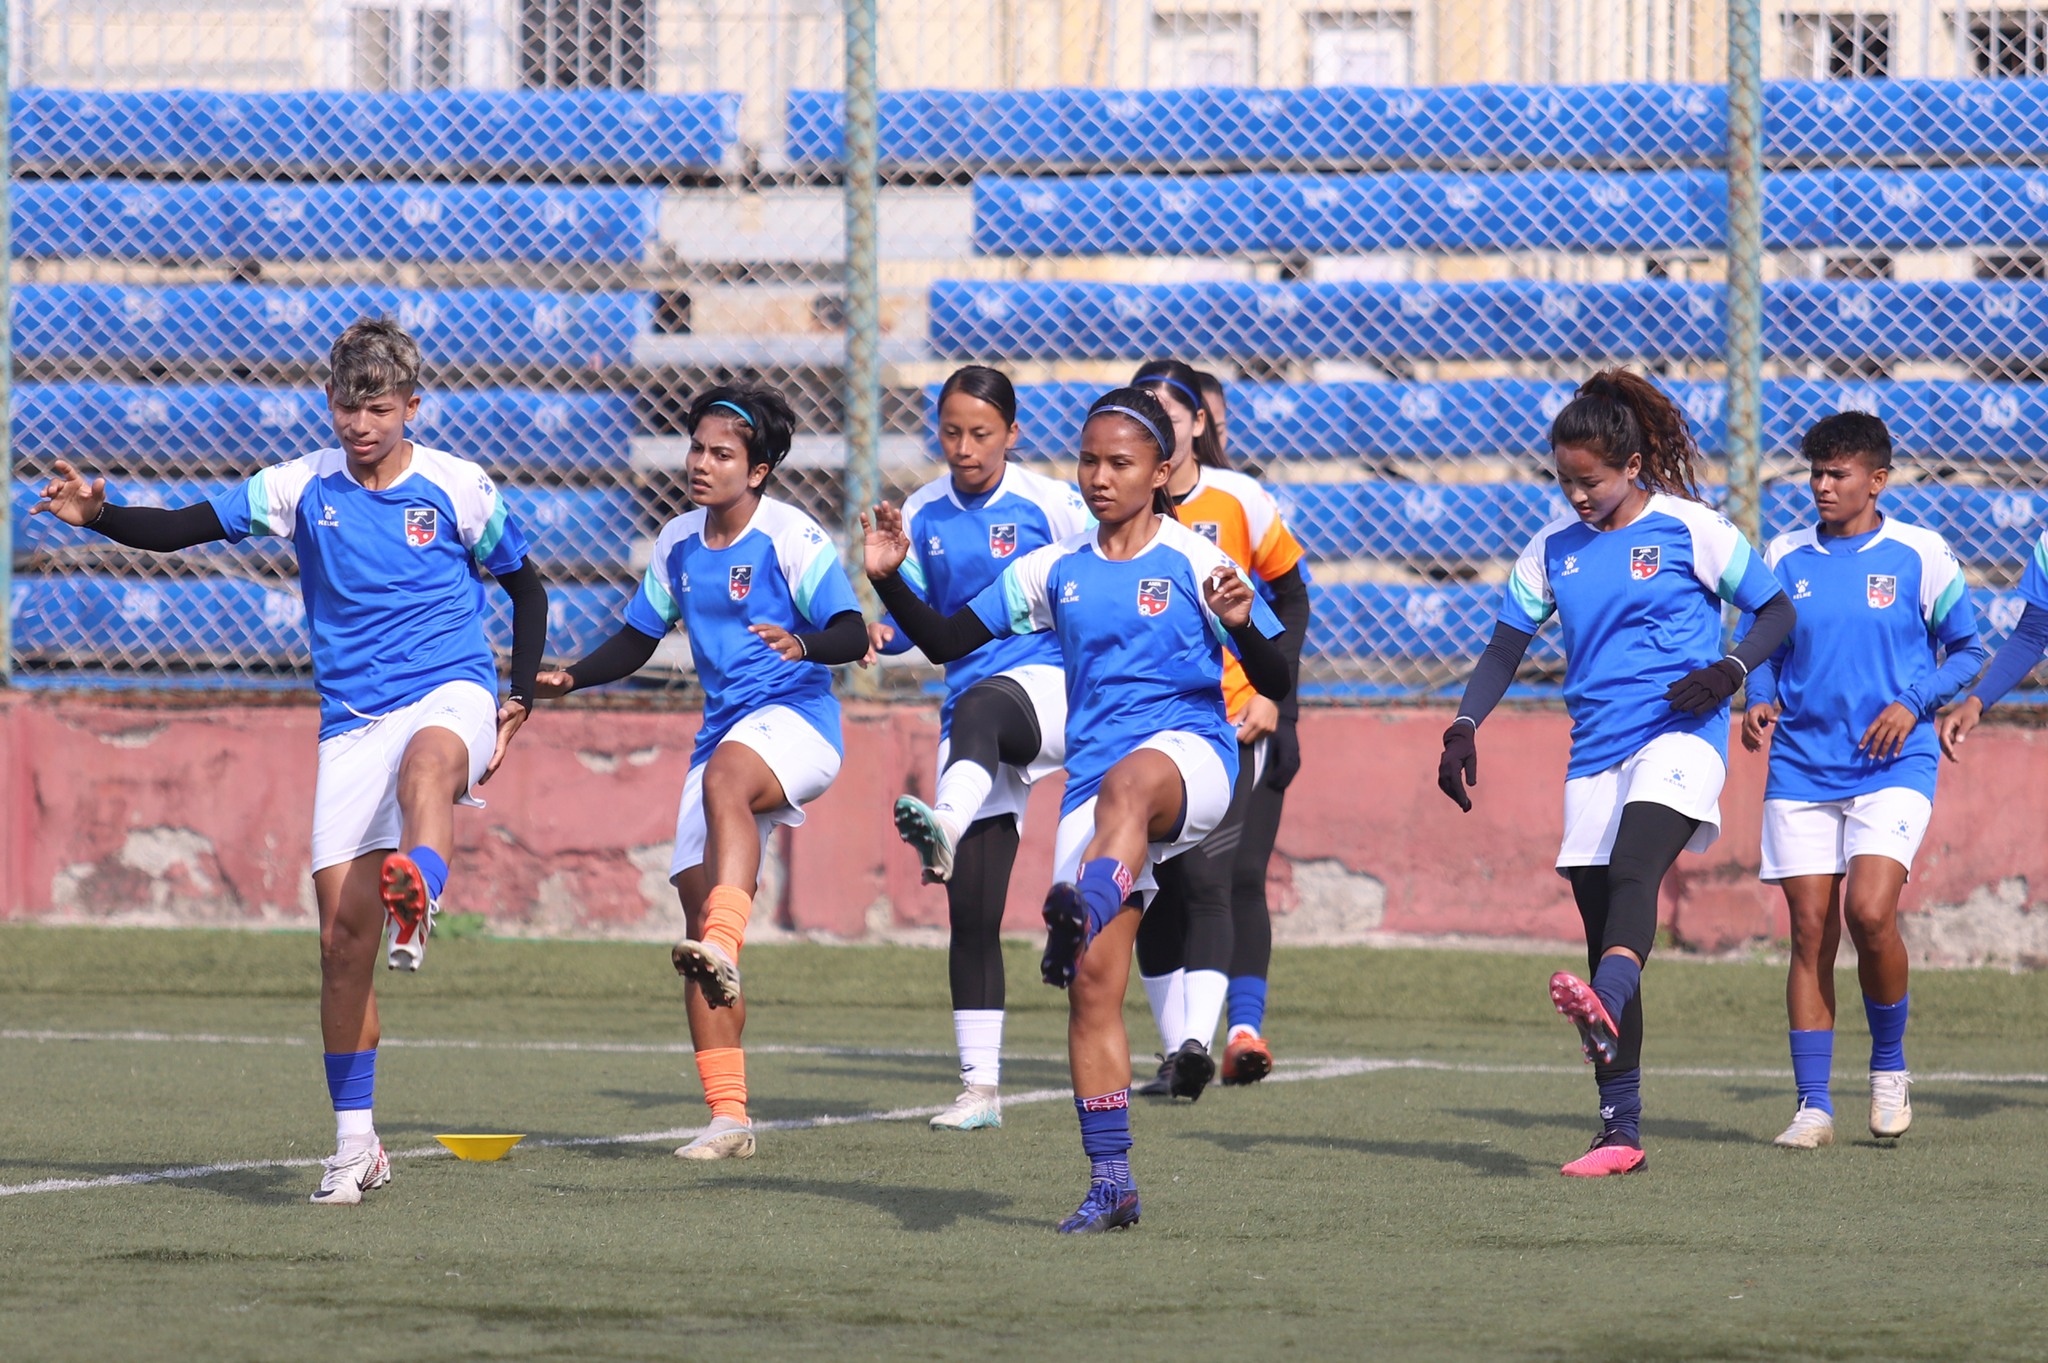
1188	925
993	724
1251	946
1618	901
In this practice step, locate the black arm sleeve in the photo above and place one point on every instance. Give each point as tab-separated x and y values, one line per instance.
1291	604
1494	673
158	530
529	627
1265	662
1773	626
944	638
619	656
843	640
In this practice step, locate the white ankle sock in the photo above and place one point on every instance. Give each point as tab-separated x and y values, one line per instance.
1169	1007
979	1033
354	1125
963	787
1203	1007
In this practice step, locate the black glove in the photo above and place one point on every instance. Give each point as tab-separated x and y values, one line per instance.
1704	688
1459	766
1283	755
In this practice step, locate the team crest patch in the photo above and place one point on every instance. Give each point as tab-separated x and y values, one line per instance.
422	523
1002	540
1155	594
1208	530
1883	589
740	581
1642	562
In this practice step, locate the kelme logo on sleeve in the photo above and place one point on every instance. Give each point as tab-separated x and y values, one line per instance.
1642	562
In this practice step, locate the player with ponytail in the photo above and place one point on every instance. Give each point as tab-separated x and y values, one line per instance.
1636	575
1143	609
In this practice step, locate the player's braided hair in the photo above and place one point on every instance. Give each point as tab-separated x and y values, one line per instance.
1138	407
1616	414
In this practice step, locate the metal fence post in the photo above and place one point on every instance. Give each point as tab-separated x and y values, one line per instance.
861	424
1744	354
6	348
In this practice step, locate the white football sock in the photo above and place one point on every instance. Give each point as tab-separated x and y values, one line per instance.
354	1124
1203	1006
979	1034
1169	1007
963	788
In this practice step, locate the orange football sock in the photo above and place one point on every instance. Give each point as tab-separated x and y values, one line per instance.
724	1073
725	918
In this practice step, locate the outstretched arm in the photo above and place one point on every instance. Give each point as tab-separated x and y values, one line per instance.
617	657
529	637
75	500
944	638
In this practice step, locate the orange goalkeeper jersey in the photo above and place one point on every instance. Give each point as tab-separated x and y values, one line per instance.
1240	518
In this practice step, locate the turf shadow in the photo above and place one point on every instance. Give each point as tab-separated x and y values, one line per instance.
1479	1159
915	1209
1669	1128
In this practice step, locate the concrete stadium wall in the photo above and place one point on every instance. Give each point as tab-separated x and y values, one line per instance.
151	813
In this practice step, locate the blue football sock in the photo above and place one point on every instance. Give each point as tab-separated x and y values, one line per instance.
1813	1059
1621	1104
1616	982
433	870
351	1079
1103	887
1887	1033
1246	1002
1106	1135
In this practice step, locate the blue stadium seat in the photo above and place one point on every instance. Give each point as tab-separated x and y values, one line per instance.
1986	526
568	528
580	617
1993	422
1648	320
168	221
93	618
1440	624
104	425
458	133
1437	522
1496	127
1525	210
105	322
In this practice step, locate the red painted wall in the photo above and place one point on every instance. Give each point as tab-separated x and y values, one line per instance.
119	811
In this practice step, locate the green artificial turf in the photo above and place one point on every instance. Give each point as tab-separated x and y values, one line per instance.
1410	1212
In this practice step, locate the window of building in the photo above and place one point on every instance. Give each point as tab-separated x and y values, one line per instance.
1361	49
1203	49
585	45
1837	46
2009	44
394	47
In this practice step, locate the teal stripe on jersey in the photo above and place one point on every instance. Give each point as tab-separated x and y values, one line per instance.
2041	553
911	573
1018	602
494	530
1946	602
259	504
1527	601
821	564
1738	564
658	595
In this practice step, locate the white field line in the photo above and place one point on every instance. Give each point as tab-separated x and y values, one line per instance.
1299	1071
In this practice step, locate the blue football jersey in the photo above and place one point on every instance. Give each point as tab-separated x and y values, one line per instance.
958	546
2034	580
1143	652
1873	611
1640	607
781	571
390	578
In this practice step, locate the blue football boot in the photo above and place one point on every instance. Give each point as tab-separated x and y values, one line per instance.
1108	1206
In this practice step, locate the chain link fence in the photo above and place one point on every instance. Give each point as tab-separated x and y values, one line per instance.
1398	232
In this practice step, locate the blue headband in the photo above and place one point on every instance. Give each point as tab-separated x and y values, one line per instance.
1194	398
739	411
1165	445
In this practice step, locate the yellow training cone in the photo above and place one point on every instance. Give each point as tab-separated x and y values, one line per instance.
480	1147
